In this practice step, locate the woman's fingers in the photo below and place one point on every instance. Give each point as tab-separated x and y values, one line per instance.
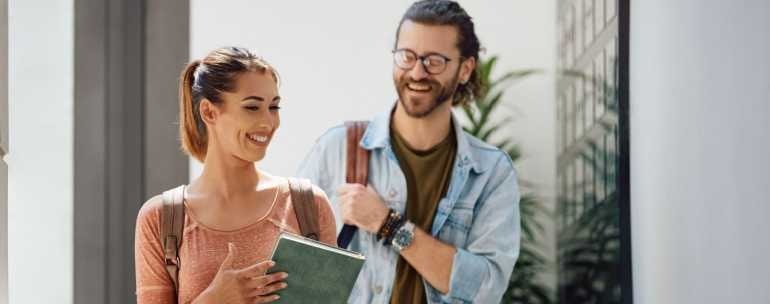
267	299
257	269
265	280
268	290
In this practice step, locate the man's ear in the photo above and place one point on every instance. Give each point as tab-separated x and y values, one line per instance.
208	111
466	69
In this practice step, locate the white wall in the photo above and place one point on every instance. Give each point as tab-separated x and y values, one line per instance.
336	65
700	148
40	163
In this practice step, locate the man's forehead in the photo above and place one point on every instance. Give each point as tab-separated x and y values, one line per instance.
426	38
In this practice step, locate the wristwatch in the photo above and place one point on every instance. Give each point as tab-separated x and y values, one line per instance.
403	236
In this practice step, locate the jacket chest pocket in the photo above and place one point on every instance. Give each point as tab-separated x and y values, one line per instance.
457	225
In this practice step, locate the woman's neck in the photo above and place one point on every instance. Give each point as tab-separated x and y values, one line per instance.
226	177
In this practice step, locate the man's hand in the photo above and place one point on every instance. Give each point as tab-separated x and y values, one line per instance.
362	206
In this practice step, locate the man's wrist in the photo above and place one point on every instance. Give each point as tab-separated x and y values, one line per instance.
392	222
383	221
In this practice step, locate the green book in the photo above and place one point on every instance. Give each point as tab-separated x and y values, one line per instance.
318	273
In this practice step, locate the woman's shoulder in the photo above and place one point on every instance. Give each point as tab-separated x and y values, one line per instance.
152	208
325	214
318	194
284	184
148	219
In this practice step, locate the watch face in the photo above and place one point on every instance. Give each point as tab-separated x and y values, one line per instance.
403	238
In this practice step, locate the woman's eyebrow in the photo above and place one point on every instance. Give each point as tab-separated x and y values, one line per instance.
257	98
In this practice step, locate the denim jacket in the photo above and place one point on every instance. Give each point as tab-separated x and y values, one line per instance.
479	214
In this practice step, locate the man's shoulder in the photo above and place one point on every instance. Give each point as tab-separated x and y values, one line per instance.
332	141
479	144
333	134
487	155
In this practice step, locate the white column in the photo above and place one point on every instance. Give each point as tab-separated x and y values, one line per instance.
700	151
40	197
3	150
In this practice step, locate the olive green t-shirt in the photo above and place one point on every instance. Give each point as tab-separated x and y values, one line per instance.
427	175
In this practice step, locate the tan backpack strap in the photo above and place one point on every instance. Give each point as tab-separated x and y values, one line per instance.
304	206
357	162
171	230
357	170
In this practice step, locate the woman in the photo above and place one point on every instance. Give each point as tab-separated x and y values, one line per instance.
229	112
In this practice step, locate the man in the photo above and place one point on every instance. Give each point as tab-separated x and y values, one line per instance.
439	221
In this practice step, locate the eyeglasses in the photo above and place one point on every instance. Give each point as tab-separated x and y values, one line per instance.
433	63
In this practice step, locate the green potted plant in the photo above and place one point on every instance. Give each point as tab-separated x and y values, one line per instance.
589	244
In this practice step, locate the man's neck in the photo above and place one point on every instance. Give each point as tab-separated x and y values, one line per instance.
425	132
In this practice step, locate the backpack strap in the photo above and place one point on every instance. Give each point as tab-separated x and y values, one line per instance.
303	200
171	230
357	170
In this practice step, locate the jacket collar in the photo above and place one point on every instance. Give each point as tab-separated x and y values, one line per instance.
377	135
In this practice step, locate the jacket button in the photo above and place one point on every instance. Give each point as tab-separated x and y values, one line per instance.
378	289
392	193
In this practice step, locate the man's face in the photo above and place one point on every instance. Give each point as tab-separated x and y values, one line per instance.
422	89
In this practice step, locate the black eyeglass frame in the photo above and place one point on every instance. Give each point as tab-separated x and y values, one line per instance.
422	59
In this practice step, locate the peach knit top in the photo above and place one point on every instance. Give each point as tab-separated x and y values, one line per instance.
203	249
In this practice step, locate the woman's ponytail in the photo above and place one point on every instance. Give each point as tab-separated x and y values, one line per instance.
193	135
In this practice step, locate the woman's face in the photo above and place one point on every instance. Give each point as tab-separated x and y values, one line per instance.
244	123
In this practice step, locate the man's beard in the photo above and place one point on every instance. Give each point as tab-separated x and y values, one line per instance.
439	94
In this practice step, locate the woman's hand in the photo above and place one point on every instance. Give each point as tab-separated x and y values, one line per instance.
245	285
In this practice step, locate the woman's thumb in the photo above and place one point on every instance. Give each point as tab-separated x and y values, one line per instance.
230	258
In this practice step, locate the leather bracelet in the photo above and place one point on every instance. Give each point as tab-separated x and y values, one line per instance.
387	227
384	225
396	226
